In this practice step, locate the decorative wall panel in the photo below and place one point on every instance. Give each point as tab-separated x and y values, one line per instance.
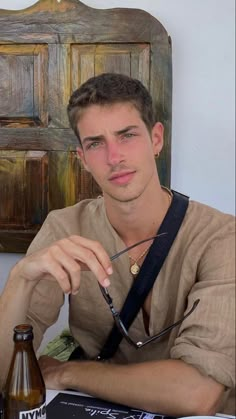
46	52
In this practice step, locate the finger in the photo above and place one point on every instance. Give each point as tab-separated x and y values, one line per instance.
96	268
70	265
97	248
54	266
89	253
65	253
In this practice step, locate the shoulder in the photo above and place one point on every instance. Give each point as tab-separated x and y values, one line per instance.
73	220
205	232
201	218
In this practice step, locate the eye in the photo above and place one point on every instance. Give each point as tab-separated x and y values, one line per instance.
128	135
93	144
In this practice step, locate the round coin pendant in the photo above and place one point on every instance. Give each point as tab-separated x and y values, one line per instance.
134	269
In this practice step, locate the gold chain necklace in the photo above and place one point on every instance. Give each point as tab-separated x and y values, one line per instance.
135	267
170	194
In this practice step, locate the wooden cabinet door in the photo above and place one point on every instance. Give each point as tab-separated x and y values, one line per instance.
46	52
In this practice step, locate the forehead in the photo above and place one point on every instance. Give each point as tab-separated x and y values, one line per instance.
114	116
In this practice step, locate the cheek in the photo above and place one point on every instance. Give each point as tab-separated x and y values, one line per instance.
94	162
143	151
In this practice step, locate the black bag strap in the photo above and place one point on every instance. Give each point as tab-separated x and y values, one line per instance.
148	271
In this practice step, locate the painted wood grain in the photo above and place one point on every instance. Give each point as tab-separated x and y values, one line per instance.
47	51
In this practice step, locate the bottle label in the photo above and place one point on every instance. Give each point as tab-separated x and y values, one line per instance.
39	413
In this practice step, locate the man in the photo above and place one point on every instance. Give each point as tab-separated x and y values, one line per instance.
190	371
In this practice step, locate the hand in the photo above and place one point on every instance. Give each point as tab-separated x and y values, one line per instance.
63	262
50	368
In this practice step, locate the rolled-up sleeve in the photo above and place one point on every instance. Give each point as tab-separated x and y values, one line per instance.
206	338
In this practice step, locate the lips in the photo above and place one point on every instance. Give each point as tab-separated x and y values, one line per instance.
121	178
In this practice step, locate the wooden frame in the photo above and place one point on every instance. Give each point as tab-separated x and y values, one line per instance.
46	51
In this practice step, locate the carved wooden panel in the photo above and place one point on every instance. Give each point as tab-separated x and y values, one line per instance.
23	205
46	52
89	60
23	85
19	170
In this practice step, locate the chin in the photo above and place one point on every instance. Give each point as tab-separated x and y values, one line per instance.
124	197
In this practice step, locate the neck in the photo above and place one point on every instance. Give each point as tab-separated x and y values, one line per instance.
140	218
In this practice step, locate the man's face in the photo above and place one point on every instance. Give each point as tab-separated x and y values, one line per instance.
118	150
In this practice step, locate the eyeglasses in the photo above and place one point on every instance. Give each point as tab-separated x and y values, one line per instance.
116	315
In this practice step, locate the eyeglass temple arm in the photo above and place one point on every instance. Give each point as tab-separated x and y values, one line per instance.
164	331
121	327
134	245
138	345
104	290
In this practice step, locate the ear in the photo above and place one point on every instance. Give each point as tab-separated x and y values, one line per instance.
157	137
80	154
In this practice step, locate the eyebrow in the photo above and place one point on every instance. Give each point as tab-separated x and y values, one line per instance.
126	129
101	137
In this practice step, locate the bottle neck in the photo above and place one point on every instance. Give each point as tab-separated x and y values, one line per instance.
24	344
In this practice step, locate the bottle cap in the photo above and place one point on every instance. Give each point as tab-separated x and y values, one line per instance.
23	332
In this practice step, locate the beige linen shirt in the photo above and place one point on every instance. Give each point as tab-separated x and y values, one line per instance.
200	264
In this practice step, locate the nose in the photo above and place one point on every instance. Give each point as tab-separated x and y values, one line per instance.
114	153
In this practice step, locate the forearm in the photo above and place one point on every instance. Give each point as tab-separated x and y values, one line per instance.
14	302
170	386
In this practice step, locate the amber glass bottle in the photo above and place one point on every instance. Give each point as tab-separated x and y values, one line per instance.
24	394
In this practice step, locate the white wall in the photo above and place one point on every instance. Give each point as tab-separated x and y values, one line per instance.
203	133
